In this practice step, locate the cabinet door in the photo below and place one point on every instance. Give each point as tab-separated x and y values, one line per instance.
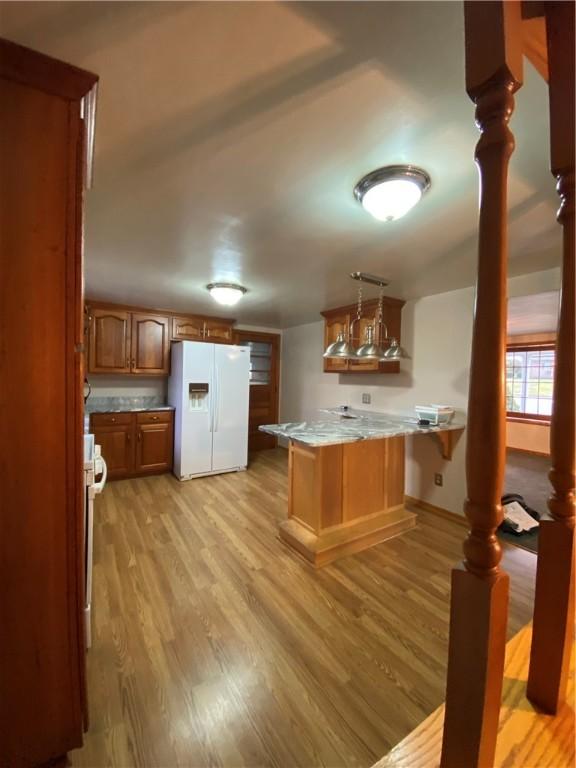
188	328
218	331
150	345
332	327
117	447
154	447
109	341
359	332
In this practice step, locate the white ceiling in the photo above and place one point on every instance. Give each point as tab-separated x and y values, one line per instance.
537	313
230	136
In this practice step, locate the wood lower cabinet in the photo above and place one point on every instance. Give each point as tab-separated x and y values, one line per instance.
342	320
135	443
114	433
154	442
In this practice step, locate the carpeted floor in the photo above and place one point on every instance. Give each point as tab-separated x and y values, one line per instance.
527	475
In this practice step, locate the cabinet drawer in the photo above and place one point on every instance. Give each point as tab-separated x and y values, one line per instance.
104	419
154	417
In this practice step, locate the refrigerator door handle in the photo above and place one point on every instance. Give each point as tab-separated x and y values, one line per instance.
216	397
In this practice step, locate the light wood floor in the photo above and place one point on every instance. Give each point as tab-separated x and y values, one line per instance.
214	645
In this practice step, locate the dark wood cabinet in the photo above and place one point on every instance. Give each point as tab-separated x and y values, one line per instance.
114	432
109	342
150	345
136	341
43	166
188	328
218	331
343	320
134	443
128	342
154	442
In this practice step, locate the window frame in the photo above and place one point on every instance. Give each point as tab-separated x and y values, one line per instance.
531	418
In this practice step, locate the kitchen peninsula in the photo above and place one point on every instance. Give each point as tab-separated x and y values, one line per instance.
346	480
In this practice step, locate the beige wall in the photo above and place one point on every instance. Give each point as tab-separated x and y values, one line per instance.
523	436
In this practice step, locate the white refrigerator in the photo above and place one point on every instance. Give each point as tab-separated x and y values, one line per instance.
209	389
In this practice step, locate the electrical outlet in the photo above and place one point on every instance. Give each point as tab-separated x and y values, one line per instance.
366	398
438	478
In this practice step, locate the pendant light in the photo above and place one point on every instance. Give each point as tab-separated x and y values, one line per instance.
371	349
394	352
340	349
377	345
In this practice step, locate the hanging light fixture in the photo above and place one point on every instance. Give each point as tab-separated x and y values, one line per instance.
340	348
394	352
389	193
226	293
376	344
371	349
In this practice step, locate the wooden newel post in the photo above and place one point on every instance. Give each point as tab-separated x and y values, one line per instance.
479	601
554	602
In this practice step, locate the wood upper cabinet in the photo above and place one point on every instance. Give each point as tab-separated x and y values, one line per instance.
188	328
133	340
128	342
109	343
218	331
341	319
150	345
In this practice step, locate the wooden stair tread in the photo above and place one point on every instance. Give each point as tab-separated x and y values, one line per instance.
525	736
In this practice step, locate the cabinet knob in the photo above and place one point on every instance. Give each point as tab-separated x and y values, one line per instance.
113	418
155	418
127	437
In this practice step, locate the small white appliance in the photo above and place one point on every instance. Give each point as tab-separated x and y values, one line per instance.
209	389
94	465
435	414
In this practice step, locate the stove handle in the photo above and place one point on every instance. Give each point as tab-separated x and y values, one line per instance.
99	487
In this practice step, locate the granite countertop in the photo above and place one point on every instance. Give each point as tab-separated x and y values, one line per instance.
125	404
335	429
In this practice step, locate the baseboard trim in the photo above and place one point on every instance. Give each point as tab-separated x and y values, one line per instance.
527	450
439	511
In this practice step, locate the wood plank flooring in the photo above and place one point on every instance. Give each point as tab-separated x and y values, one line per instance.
215	645
527	738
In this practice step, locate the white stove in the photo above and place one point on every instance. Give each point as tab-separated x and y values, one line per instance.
94	465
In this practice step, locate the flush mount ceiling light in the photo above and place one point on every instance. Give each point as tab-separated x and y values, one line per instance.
389	193
226	293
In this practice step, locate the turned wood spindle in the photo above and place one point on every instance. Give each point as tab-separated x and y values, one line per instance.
479	600
553	629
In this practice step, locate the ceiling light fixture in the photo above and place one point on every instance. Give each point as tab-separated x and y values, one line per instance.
389	193
226	293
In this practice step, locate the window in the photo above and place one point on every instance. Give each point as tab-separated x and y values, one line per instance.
530	381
